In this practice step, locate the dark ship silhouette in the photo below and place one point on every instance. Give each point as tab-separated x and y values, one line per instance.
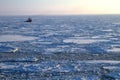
29	20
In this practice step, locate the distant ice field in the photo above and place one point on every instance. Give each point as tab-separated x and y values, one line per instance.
65	34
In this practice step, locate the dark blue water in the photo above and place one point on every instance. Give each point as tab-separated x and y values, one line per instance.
49	35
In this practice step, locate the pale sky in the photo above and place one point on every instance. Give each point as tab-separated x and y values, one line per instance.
48	7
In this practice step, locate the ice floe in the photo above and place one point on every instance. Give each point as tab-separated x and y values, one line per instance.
10	38
114	50
8	49
83	40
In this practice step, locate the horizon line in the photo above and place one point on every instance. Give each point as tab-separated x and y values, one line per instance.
54	14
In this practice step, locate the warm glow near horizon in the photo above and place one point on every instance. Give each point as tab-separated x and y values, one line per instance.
36	7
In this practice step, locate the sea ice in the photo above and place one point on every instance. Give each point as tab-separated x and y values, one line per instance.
11	38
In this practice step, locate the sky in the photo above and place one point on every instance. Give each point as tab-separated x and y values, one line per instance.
58	7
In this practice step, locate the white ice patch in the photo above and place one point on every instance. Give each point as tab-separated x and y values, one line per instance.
96	37
114	50
108	30
112	68
115	45
5	66
83	40
10	38
114	38
116	23
54	49
8	49
101	61
42	43
102	36
63	46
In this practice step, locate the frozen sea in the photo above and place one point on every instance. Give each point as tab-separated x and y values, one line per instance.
82	47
